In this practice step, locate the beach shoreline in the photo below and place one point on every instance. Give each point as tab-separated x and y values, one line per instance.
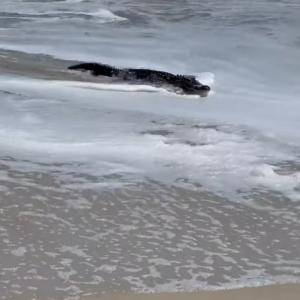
114	189
270	292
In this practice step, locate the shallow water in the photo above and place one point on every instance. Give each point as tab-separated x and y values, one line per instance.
113	187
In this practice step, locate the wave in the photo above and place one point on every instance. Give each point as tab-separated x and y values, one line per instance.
78	123
74	1
107	15
129	88
116	87
101	15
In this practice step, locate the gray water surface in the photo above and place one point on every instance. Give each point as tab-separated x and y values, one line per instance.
107	187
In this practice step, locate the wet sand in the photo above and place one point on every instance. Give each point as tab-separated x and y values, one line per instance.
274	292
61	239
41	66
64	235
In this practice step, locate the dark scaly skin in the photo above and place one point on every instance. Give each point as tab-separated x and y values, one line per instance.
188	84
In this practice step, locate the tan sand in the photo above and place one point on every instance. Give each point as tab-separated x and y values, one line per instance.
273	292
41	66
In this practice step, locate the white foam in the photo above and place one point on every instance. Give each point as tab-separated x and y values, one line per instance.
39	14
252	278
19	251
66	275
114	87
106	268
106	16
74	128
74	250
289	184
136	87
74	1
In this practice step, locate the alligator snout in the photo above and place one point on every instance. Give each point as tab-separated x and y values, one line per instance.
205	88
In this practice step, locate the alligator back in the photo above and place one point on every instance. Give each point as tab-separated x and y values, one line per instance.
96	69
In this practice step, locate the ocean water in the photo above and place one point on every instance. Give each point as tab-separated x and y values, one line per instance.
109	187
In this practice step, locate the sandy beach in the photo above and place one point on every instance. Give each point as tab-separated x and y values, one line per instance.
273	292
113	190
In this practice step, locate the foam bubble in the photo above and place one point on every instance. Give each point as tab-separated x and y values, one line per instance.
19	251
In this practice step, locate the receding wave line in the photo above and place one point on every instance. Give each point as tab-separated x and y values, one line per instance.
101	15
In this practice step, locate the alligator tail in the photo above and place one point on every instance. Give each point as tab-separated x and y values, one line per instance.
96	69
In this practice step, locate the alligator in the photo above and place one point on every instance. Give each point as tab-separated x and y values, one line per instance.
182	84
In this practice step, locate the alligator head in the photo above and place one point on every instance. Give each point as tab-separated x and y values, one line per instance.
190	85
